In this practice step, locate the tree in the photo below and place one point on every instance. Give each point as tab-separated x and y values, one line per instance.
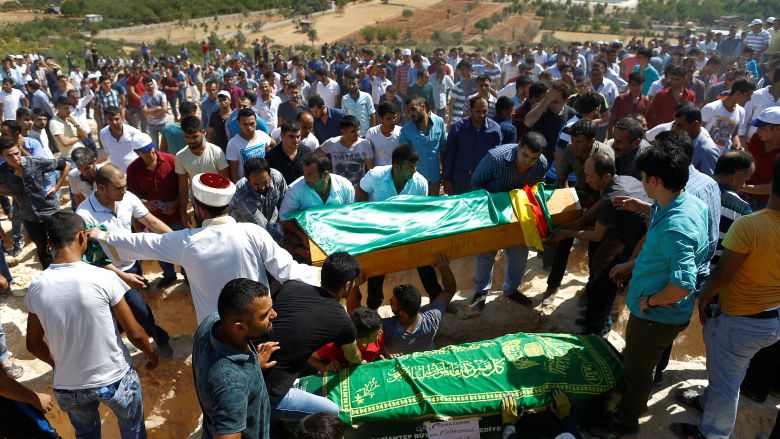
70	8
312	34
370	33
483	24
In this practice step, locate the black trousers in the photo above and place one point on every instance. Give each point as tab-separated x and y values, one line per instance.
764	371
427	277
39	234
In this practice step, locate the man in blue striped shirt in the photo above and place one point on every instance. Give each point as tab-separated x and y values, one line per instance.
732	170
504	168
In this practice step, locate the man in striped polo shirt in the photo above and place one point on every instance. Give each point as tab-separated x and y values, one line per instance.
732	170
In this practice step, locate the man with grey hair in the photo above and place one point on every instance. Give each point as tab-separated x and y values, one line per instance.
81	178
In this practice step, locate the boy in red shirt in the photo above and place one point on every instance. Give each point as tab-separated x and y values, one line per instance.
330	358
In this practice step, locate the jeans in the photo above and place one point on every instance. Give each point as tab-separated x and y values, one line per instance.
173	102
142	313
4	357
645	342
39	234
135	117
298	404
16	225
516	259
155	132
123	398
168	269
427	277
731	342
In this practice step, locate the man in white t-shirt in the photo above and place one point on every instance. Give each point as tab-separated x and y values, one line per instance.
722	117
384	137
10	98
73	305
248	143
117	138
350	155
328	89
112	207
198	157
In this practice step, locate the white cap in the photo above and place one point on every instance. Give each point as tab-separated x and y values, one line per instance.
142	143
756	21
770	116
770	20
213	189
224	93
406	52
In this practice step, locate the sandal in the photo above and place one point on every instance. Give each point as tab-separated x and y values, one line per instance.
687	431
13	371
689	398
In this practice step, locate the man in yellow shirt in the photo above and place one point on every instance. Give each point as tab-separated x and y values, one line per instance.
746	285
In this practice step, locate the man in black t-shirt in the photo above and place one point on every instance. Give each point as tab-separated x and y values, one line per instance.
308	318
612	223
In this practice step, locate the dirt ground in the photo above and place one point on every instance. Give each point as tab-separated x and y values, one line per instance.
170	401
9	17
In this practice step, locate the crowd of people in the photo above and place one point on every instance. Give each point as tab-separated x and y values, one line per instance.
671	148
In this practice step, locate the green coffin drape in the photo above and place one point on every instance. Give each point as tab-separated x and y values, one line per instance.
470	379
360	228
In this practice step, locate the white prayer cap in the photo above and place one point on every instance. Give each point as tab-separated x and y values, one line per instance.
406	52
213	189
756	21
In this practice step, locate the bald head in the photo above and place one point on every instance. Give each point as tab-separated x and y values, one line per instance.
108	173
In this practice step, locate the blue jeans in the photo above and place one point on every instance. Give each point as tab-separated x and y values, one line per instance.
123	398
155	132
516	259
5	272
298	404
3	347
731	342
168	269
142	313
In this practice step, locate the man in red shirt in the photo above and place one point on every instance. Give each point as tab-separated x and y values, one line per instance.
152	177
665	102
764	146
630	102
135	89
370	341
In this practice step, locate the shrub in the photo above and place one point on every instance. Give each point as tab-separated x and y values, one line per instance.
407	13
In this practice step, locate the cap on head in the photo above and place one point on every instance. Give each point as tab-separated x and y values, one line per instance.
224	94
756	21
213	190
406	52
142	143
770	116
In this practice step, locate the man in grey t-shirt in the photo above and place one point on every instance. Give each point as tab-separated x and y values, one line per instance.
412	327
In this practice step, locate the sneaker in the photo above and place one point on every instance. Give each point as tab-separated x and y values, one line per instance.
16	251
478	302
166	352
520	298
165	282
13	371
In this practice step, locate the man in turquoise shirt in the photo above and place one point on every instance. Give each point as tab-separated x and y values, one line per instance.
660	293
425	132
643	65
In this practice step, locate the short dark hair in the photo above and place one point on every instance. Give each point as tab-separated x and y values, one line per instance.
665	161
246	112
256	164
112	110
82	156
733	161
537	89
588	102
603	163
315	101
409	299
13	125
690	112
522	81
187	108
636	78
366	321
338	269
7	143
321	426
678	138
63	226
474	99
633	126
386	108
320	72
742	85
316	158
23	112
645	52
504	103
290	126
147	80
405	154
678	71
237	295
191	124
583	127
349	121
249	95
534	141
